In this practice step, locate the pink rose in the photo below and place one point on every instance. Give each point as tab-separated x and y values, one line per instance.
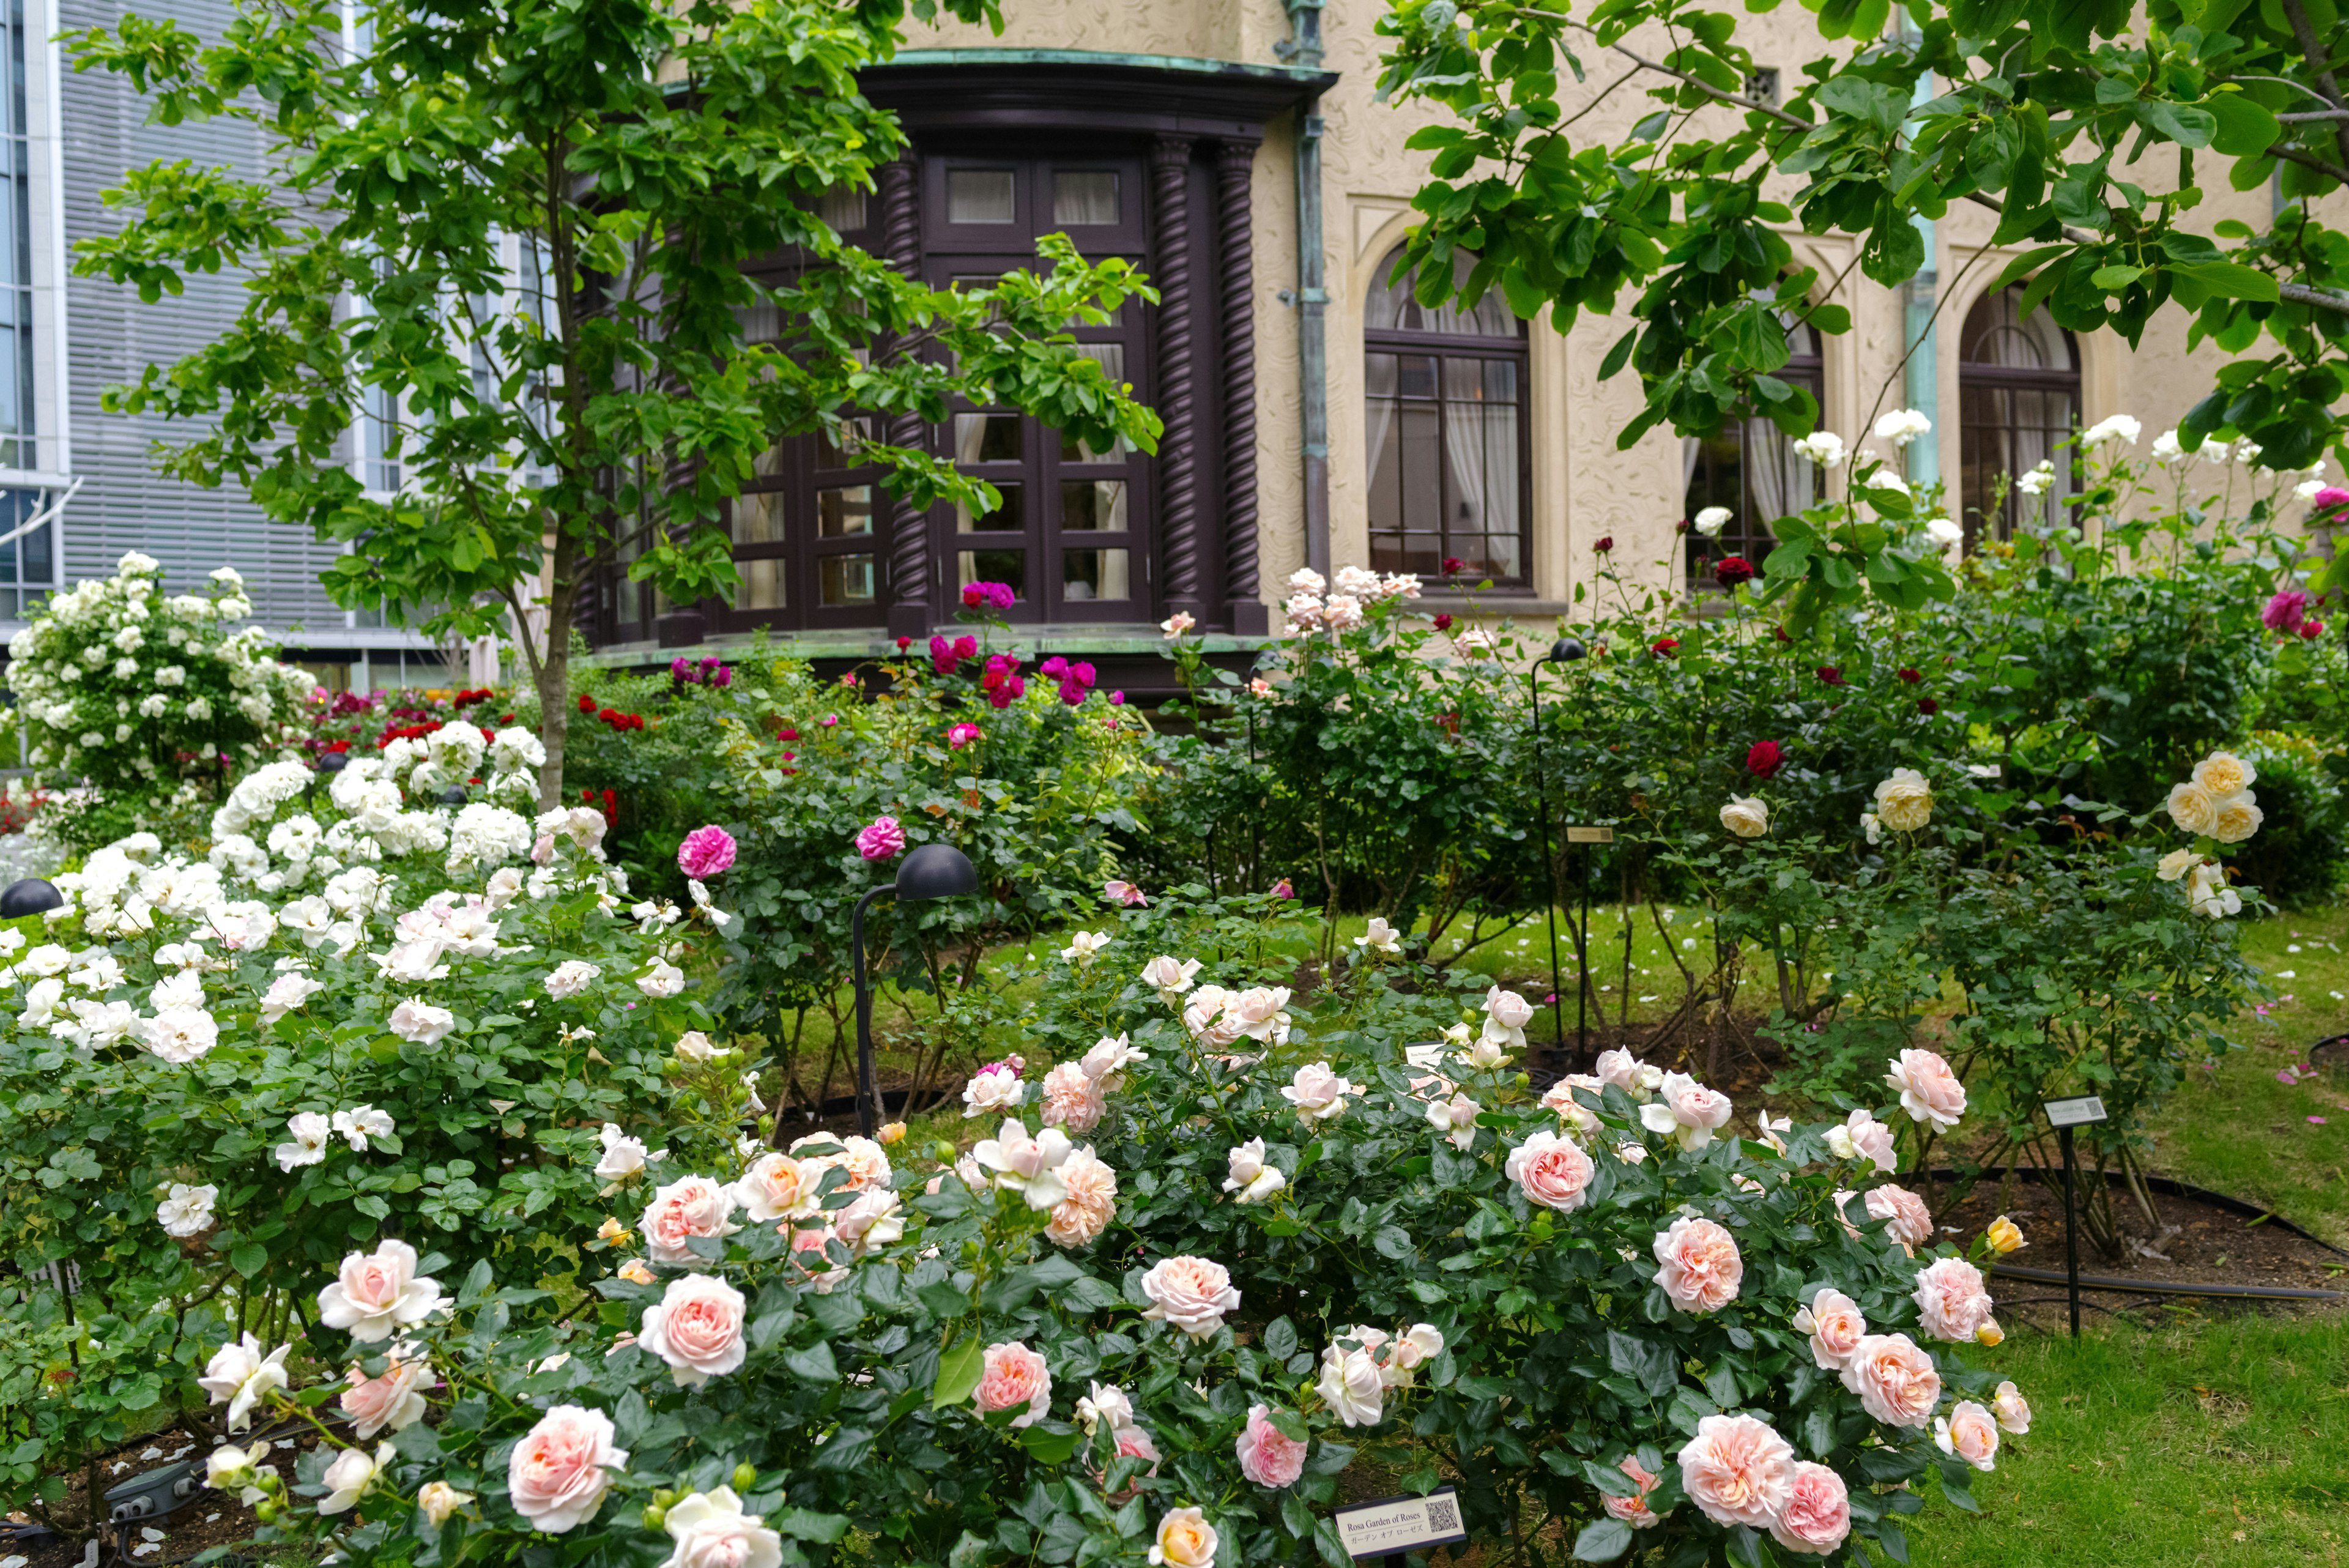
961	735
1015	1375
1701	1268
1912	1222
1697	1112
697	1328
1895	1382
705	852
1620	1068
1073	1099
1737	1470
1268	1458
1317	1091
390	1402
375	1293
556	1475
1930	1092
1817	1515
1192	1293
1862	1137
1835	1327
1085	1213
1951	1300
1134	1443
1550	1170
1969	1433
884	840
1634	1511
1124	893
776	1187
688	1206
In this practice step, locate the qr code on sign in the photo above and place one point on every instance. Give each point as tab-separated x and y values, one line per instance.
1442	1513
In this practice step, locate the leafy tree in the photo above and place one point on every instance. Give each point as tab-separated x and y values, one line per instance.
2050	118
598	401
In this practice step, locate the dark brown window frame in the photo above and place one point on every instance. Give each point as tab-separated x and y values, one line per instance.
1981	383
1747	533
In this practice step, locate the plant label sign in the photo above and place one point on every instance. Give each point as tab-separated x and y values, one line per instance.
1394	1525
1590	835
2074	1113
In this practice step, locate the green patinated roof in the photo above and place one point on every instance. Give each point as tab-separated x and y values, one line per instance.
1003	57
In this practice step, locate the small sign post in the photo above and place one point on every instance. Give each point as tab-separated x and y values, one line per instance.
1392	1526
2064	1115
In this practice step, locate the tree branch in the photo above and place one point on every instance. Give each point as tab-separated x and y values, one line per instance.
1707	87
2291	154
2302	118
2313	49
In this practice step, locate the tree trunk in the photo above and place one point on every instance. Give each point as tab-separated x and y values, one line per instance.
554	670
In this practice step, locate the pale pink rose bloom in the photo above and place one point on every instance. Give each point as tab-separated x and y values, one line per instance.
1701	1268
2013	1410
1268	1458
1694	1105
391	1402
994	1087
1817	1515
1930	1092
241	1378
1550	1170
375	1293
1457	1119
1970	1432
1835	1326
348	1478
1895	1382
712	1531
1620	1068
1124	893
1862	1137
776	1187
1015	1375
558	1472
688	1206
1256	1011
1912	1222
1951	1300
1134	1443
1351	1384
1560	1098
1737	1470
866	1162
1317	1092
1410	1349
1086	1211
697	1328
1192	1293
1073	1099
871	1222
1634	1511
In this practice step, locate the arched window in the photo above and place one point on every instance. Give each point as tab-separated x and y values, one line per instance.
1449	459
1750	467
2018	395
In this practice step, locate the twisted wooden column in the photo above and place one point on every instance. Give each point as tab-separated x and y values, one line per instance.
909	526
1235	166
1178	468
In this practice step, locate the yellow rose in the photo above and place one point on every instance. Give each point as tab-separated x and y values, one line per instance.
2236	817
2005	1235
2193	809
893	1132
2223	773
1989	1333
1904	803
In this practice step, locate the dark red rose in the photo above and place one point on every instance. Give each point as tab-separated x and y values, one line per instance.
1928	707
904	643
587	703
1443	623
1454	565
1734	570
1604	545
1832	675
1763	759
1662	647
1912	676
1782	634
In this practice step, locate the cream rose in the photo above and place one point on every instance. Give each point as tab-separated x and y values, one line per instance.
1073	1099
556	1475
712	1531
1350	1385
438	1499
1250	1175
776	1187
2192	808
348	1478
1080	1217
1268	1458
1904	801
1747	817
1015	1376
375	1293
1192	1293
1817	1516
2013	1410
240	1376
1186	1540
1737	1470
1700	1267
1832	1320
1551	1171
1969	1433
2222	774
1952	1303
1929	1091
2236	817
1895	1382
697	1328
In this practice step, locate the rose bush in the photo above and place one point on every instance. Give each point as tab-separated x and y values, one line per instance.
1602	1306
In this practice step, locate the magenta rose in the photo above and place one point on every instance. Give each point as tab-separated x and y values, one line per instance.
705	852
884	840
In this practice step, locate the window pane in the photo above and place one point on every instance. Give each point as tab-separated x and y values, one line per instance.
1075	450
1393	307
758	517
1110	356
1092	503
843	208
770	463
843	511
989	438
829	454
1010	517
761	587
1085	196
1087	575
1007	566
844	582
979	195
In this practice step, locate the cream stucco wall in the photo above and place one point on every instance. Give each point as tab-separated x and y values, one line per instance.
1584	488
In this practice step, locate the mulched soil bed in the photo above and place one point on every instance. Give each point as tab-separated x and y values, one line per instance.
207	1520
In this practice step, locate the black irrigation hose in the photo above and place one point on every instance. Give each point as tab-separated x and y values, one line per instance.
2168	1186
2164	1287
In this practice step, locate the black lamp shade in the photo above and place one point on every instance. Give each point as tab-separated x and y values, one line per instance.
936	871
1565	650
453	795
30	897
333	763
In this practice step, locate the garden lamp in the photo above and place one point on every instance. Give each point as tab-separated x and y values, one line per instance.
453	795
930	871
30	897
1565	650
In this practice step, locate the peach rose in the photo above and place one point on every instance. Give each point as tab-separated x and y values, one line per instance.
1912	1222
1073	1099
2236	817
390	1402
1971	1433
1737	1470
1686	1109
1817	1515
1192	1293
1929	1091
1186	1540
690	1206
375	1293
556	1475
1560	1098
1835	1327
1082	1215
1266	1457
1551	1171
866	1162
1701	1268
776	1187
1634	1511
1015	1375
1896	1381
2013	1411
697	1328
1952	1303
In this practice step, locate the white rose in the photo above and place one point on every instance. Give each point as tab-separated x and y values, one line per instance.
1350	1384
1746	816
420	1022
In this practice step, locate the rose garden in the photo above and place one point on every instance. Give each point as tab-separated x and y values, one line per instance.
1591	1072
